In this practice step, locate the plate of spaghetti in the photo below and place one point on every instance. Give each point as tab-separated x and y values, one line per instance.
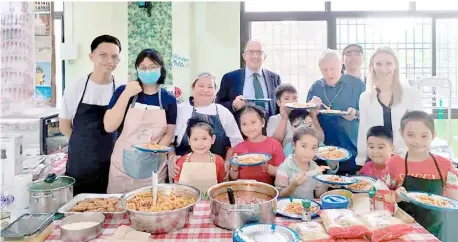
335	180
157	148
333	153
294	209
250	159
362	185
302	106
431	201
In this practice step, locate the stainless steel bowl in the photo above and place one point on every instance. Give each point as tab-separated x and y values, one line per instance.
234	216
86	234
161	222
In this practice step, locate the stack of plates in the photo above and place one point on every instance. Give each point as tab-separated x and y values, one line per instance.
259	232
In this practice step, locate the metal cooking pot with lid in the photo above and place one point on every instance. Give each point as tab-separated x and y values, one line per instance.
233	216
49	194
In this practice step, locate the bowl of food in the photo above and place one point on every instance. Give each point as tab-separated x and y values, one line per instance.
254	202
81	227
171	212
341	192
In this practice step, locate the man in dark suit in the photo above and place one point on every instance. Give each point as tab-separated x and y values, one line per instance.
253	81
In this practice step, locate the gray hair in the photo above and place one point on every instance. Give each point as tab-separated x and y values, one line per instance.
329	54
204	74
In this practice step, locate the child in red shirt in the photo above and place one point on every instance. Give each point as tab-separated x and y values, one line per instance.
251	123
419	170
201	138
379	150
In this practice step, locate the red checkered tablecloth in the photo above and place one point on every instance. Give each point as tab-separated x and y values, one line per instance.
200	228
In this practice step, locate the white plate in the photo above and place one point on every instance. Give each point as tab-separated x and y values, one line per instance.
265	233
283	202
325	148
362	178
325	179
307	105
333	112
414	198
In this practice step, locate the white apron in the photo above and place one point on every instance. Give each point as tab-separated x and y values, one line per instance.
201	175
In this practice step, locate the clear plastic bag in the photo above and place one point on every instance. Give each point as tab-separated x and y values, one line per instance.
311	231
384	226
343	224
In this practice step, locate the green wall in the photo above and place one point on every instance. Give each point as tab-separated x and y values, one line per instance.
151	32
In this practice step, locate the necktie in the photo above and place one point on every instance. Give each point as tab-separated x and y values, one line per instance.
257	87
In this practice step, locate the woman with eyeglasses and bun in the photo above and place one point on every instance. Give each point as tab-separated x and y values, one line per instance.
140	112
202	105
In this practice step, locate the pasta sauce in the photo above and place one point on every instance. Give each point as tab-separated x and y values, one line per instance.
244	197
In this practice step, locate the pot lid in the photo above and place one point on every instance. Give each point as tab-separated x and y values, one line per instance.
51	182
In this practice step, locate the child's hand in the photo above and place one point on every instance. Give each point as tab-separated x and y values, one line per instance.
300	178
234	168
284	111
173	165
398	192
265	167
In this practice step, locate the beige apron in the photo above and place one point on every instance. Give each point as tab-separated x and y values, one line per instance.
201	175
130	168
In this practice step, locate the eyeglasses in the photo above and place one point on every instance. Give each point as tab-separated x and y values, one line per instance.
114	58
257	52
149	68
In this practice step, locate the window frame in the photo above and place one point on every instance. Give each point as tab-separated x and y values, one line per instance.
59	15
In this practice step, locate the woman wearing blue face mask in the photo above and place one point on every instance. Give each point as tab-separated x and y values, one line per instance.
141	112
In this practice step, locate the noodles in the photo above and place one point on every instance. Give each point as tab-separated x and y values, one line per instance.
433	201
250	159
155	147
143	202
333	154
335	179
245	197
360	185
296	208
302	105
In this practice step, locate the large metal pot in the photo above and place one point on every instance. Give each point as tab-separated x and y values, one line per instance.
49	194
161	222
234	216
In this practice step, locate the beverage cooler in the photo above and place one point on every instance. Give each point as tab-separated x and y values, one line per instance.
39	128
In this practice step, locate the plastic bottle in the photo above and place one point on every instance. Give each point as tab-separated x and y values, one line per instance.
306	211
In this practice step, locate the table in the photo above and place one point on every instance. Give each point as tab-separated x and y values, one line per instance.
201	229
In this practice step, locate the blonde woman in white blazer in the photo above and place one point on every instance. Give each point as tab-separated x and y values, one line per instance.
385	96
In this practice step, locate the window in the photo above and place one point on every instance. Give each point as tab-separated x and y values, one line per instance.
365	5
293	49
411	38
447	51
58	5
284	6
59	72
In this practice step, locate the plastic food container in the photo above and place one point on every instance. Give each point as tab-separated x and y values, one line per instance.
334	202
29	227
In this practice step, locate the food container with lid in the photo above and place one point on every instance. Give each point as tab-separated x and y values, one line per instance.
74	229
29	227
49	194
233	216
334	202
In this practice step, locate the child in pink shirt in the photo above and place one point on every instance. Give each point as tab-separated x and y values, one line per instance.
379	150
251	123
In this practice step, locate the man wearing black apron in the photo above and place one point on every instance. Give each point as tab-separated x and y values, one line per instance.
431	220
90	146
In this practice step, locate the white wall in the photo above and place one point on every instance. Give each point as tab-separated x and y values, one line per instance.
206	32
209	34
83	21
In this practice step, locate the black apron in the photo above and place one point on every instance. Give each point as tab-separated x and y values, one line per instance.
89	149
222	142
431	220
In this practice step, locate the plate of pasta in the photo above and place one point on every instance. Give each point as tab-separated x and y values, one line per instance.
250	159
362	185
156	148
431	201
302	106
333	153
294	208
335	180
